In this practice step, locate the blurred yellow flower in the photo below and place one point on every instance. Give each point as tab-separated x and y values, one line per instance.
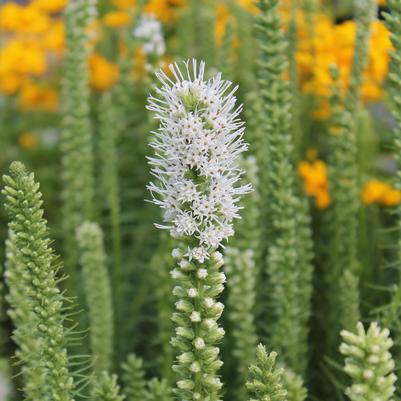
314	176
23	19
222	17
36	97
116	19
103	73
20	58
28	140
50	6
165	10
249	5
124	4
382	193
53	39
334	44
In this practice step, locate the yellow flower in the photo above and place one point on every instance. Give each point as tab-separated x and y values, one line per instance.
103	73
50	6
53	39
249	5
116	19
222	17
23	19
392	197
382	193
124	4
334	44
322	199
28	140
314	176
10	83
21	57
165	10
35	97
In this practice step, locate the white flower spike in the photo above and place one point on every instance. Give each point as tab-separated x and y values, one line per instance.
150	32
197	147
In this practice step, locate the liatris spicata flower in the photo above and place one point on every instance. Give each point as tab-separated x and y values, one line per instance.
150	32
76	133
286	239
369	363
36	301
197	147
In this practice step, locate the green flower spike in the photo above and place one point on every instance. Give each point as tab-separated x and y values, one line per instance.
266	380
369	363
106	388
134	379
98	294
34	295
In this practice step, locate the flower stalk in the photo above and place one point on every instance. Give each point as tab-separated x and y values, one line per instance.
36	296
196	149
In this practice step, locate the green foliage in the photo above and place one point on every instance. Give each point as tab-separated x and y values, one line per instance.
369	363
286	247
108	137
36	301
134	379
266	380
97	293
393	21
106	388
161	264
241	280
196	330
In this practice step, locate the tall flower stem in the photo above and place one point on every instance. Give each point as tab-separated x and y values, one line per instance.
344	176
196	150
76	134
98	295
36	296
286	245
369	363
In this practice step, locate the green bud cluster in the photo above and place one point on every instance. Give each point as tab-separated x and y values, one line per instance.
197	332
106	388
134	379
369	363
266	380
98	294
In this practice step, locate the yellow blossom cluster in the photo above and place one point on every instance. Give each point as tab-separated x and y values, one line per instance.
314	176
33	38
33	42
329	43
28	140
381	193
163	10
